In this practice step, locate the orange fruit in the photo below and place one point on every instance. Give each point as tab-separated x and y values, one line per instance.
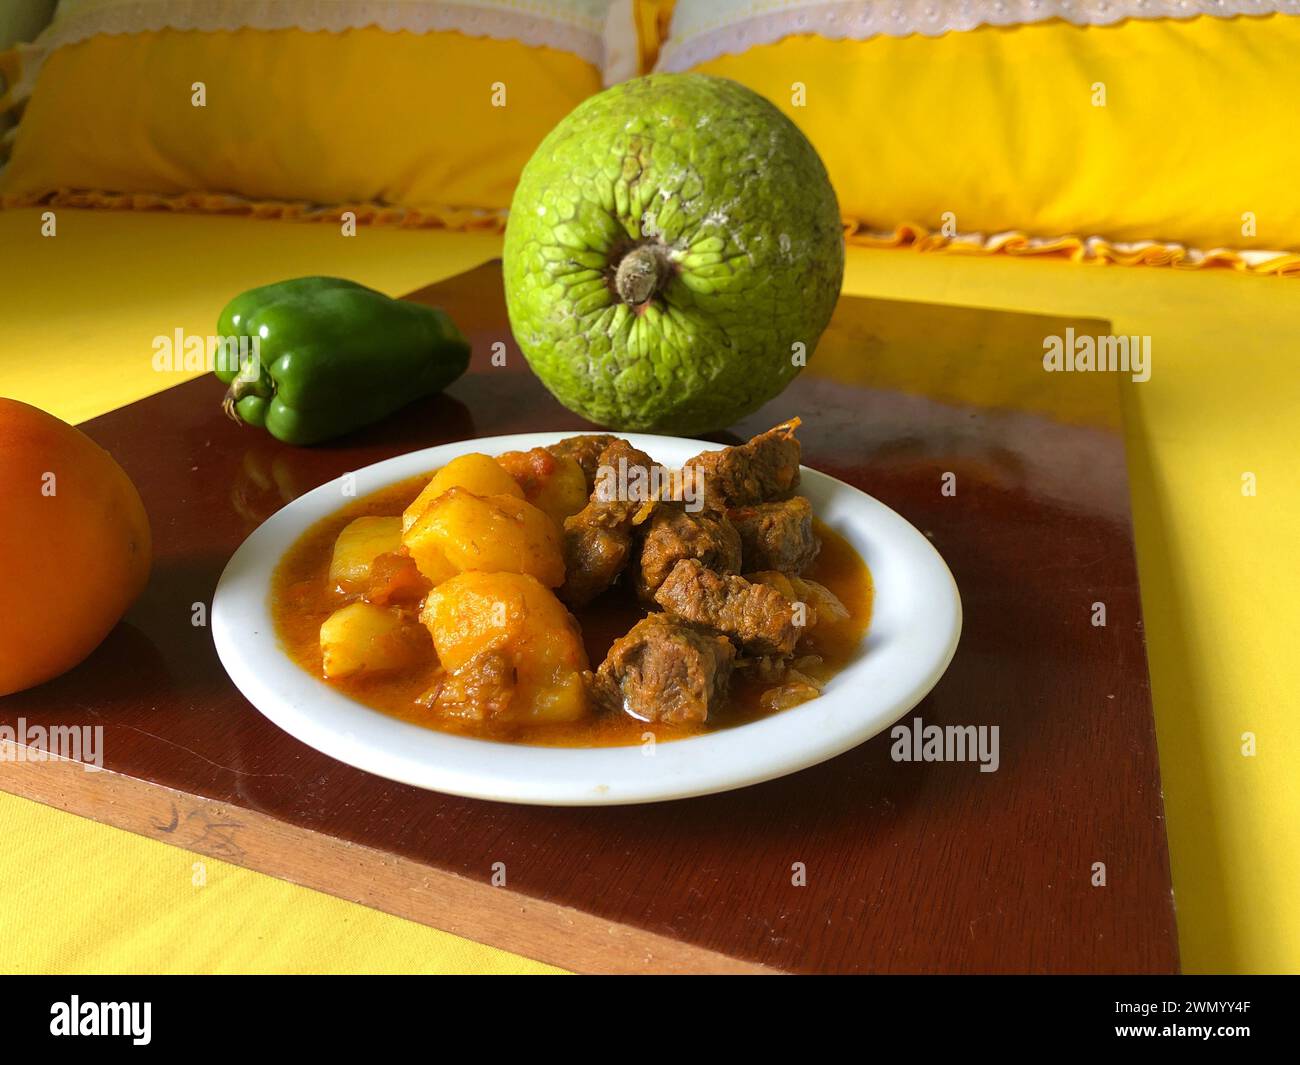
75	547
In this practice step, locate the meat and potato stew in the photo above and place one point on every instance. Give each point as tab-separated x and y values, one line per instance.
579	594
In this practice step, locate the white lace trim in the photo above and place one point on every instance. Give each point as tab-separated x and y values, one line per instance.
574	28
694	40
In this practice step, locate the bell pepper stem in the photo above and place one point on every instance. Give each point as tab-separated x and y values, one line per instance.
239	388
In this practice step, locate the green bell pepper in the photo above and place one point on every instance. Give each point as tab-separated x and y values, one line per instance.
316	357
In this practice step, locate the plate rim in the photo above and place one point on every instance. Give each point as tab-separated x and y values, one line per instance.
487	769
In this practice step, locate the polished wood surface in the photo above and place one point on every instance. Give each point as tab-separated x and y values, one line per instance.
929	867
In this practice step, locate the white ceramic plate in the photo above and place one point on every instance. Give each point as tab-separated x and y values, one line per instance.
914	629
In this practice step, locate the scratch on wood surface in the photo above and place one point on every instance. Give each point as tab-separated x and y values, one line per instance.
203	758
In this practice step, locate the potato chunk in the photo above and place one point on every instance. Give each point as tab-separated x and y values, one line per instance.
429	559
510	649
364	638
476	473
553	483
357	547
489	534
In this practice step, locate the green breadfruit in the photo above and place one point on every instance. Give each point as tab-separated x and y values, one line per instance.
673	247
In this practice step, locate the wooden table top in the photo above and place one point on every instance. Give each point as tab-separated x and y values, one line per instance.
912	867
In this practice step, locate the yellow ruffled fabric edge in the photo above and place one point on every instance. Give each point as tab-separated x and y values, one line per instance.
458	218
1091	250
1096	251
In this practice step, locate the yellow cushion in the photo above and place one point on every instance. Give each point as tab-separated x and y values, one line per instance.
995	130
360	117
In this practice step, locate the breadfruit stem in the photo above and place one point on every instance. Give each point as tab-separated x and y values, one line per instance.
641	273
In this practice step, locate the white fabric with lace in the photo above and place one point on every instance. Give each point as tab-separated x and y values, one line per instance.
576	26
705	29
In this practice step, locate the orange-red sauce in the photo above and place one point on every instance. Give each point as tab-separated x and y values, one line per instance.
301	600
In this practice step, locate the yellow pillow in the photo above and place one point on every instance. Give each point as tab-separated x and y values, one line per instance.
414	126
1149	140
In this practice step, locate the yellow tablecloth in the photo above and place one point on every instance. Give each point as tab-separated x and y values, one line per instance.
1219	580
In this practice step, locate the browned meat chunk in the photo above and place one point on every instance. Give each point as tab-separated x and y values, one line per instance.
757	617
663	670
479	690
776	536
623	482
765	468
585	451
598	539
818	604
673	534
593	558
